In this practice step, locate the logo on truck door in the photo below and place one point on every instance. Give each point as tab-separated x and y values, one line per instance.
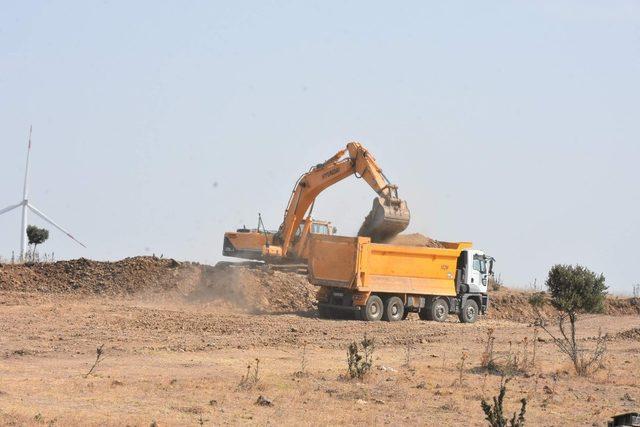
444	267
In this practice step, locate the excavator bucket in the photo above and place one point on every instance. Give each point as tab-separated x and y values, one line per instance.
385	221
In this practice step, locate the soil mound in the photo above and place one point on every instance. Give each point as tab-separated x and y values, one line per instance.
245	286
84	276
414	239
513	304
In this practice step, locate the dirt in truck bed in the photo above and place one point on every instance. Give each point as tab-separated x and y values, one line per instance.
414	239
178	338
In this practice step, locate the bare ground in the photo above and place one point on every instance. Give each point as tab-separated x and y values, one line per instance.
177	357
179	365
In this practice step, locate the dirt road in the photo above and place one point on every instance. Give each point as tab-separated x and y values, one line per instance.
178	362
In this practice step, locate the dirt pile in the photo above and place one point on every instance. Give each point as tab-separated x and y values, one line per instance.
244	286
513	304
415	239
84	276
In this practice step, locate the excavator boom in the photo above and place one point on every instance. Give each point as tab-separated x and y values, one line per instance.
388	217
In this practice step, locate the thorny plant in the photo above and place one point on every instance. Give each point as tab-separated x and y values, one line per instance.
251	377
463	357
494	414
360	360
99	358
487	358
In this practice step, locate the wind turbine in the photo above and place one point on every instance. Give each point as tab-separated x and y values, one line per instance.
26	204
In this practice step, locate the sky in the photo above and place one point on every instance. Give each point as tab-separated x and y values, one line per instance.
158	126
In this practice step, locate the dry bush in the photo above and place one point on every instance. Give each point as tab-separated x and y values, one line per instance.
513	362
487	358
251	377
495	283
463	357
636	295
99	358
359	362
495	414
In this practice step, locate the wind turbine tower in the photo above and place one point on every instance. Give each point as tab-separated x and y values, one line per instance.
27	205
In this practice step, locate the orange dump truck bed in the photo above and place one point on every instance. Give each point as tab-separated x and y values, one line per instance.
354	270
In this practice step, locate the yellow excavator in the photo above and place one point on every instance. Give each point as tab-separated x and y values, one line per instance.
389	215
247	243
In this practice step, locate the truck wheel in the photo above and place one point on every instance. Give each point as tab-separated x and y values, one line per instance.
393	309
469	312
372	311
438	310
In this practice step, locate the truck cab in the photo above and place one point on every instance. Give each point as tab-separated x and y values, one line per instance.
472	279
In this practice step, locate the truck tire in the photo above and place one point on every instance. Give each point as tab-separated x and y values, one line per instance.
373	310
393	309
437	310
469	312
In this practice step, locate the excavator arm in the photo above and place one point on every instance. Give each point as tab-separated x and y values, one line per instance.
388	217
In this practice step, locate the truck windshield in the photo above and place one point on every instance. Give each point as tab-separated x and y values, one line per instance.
479	264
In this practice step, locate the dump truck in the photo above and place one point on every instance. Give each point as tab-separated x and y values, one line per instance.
378	281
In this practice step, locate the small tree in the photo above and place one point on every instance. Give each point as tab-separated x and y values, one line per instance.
574	290
360	363
36	236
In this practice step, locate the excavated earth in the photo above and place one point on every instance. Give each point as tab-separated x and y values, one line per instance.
250	287
179	338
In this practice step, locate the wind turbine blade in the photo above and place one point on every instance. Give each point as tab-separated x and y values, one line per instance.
26	171
50	221
8	208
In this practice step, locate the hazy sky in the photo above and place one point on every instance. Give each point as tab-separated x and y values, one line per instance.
160	125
